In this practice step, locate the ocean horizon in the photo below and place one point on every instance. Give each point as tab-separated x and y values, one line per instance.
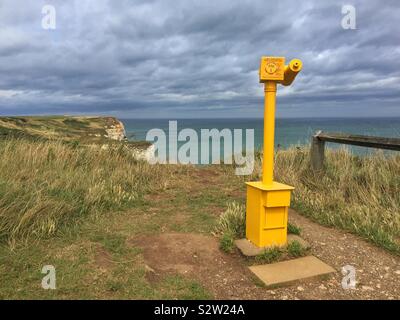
288	131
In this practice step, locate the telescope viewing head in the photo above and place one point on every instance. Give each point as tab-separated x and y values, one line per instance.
274	69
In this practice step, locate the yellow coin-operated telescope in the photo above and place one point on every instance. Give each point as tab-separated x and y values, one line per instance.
267	200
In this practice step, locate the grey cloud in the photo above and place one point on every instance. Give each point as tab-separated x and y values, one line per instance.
195	58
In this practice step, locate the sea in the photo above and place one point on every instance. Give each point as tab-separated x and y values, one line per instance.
288	132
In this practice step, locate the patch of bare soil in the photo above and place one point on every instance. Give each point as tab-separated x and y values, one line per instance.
102	258
158	197
198	257
201	178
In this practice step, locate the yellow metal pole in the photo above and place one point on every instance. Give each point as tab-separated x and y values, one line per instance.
269	132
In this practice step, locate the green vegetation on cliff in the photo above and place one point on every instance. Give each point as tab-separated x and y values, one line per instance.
86	130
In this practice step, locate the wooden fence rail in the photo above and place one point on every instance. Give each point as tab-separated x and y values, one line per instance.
317	151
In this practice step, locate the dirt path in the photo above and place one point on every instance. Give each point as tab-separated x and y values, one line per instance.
377	271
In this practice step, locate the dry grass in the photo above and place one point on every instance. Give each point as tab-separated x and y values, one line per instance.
45	185
359	194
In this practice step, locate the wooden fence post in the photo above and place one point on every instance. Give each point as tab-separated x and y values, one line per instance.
317	152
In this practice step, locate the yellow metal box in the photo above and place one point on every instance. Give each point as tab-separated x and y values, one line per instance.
267	213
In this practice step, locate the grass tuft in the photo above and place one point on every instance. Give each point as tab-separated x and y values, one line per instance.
293	229
231	225
227	242
233	221
295	249
269	255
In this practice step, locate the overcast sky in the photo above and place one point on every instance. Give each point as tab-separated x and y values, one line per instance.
177	59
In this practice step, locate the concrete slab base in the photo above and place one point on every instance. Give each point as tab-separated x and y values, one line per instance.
291	271
248	249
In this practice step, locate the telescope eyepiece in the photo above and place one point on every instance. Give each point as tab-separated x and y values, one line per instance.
295	65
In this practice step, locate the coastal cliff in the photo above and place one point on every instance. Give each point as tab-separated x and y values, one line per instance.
115	129
94	132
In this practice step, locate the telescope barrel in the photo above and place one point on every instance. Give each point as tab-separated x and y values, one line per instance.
291	71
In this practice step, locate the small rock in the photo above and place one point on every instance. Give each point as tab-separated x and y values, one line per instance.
300	288
272	292
367	288
322	287
148	269
397	272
